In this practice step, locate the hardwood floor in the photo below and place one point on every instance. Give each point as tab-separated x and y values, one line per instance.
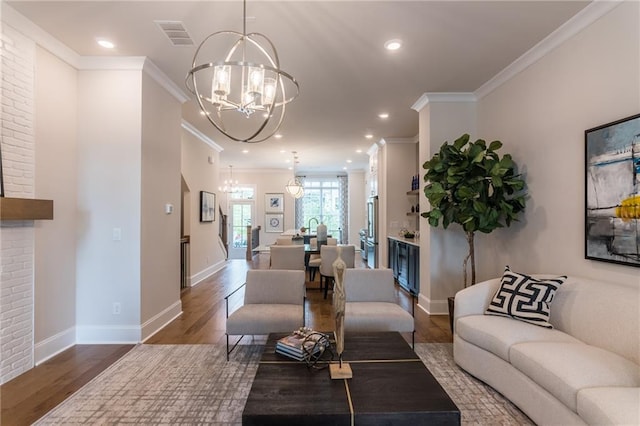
28	397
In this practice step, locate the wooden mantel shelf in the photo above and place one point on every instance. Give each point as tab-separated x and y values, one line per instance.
25	209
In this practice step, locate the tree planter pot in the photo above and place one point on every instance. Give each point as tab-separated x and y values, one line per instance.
451	303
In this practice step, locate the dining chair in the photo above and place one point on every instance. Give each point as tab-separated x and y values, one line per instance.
287	257
273	302
284	241
313	265
328	255
371	303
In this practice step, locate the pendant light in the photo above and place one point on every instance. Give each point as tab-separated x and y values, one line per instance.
294	186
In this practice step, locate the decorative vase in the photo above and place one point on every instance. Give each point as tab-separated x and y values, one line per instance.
321	233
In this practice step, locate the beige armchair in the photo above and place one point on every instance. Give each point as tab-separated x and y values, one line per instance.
273	303
371	303
287	257
328	255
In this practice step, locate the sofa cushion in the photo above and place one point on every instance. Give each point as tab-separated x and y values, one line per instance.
610	406
563	369
525	298
497	334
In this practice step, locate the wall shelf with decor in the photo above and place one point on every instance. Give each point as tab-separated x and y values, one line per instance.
25	209
414	209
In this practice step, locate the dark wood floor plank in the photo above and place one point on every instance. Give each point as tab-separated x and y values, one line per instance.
28	397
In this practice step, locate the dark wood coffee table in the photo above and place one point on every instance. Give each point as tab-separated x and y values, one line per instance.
390	386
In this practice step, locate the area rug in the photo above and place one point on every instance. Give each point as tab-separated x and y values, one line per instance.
194	384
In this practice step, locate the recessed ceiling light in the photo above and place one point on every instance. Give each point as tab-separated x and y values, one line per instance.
277	136
245	151
394	44
106	43
359	151
368	136
344	168
349	161
282	151
383	115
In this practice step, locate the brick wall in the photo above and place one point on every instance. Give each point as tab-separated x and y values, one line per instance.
16	238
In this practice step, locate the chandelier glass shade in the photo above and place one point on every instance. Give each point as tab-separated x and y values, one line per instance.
294	187
230	185
244	92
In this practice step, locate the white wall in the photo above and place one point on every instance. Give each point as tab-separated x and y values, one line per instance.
109	194
541	115
55	177
357	205
267	181
206	254
445	118
161	185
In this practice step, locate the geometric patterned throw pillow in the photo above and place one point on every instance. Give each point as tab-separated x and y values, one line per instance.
525	298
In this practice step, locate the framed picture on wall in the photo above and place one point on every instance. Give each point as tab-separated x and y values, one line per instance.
274	222
207	206
612	211
274	202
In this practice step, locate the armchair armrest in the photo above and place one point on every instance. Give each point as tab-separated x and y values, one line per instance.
226	298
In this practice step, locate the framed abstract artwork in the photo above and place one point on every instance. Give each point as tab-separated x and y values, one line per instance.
274	202
612	199
274	222
207	206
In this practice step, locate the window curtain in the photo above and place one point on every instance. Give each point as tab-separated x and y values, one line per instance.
343	205
299	209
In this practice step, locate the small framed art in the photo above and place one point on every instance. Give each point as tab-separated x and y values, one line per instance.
274	202
274	222
207	206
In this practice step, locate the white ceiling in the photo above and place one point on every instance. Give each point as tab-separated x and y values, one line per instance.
335	51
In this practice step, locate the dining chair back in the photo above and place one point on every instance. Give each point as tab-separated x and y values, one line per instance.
287	257
284	241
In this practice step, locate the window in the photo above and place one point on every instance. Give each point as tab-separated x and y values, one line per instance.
324	200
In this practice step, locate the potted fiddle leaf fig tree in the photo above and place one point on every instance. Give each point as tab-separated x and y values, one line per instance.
469	184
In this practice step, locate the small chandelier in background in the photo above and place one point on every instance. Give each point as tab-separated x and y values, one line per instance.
230	185
294	186
239	86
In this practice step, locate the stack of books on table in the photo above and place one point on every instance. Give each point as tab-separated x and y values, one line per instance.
301	344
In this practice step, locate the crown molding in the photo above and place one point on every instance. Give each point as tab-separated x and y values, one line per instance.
198	134
45	40
433	97
412	140
587	16
42	38
117	63
161	78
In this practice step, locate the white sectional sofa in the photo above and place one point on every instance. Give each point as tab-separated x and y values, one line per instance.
586	370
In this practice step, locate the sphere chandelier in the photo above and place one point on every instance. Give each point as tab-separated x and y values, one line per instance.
243	94
294	186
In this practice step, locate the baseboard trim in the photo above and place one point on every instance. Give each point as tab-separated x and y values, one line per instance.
433	307
159	321
100	334
52	346
206	273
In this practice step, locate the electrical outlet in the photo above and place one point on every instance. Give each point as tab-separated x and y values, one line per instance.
116	308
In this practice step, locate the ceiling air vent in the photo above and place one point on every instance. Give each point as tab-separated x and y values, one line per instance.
176	32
